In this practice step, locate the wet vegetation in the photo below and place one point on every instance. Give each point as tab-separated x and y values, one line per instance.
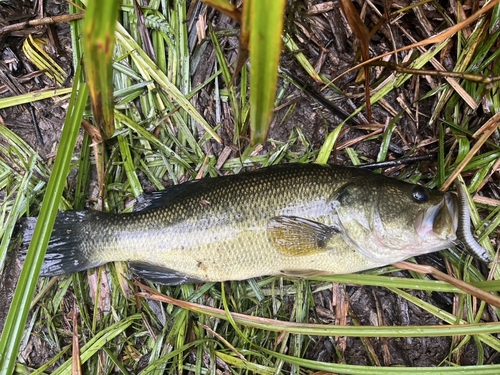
182	110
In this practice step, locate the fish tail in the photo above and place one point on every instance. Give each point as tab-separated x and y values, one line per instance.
66	249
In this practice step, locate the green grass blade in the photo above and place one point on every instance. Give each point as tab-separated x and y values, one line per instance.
32	97
98	342
20	201
266	25
128	163
326	149
292	47
18	312
149	70
98	42
84	171
373	370
408	283
268	324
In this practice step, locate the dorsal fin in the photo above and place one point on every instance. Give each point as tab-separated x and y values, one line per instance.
157	199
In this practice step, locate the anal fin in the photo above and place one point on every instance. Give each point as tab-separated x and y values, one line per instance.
304	273
161	275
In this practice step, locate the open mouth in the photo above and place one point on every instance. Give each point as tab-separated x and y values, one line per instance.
440	220
446	221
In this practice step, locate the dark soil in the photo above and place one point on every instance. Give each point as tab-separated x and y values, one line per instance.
47	115
331	48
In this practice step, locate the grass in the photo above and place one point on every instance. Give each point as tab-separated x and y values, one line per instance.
19	309
268	325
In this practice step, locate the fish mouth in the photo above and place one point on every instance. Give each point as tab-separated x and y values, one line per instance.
440	220
446	220
450	220
464	233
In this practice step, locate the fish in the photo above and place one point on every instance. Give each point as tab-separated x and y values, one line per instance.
298	220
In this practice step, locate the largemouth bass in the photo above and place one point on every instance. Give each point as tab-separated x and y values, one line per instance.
292	219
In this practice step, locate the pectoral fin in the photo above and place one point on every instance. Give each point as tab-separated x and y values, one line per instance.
294	236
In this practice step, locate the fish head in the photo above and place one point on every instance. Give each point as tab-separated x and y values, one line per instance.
389	220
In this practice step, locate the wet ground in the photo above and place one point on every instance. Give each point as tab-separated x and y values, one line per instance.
330	46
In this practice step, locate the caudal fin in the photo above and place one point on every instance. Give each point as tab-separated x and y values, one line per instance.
66	252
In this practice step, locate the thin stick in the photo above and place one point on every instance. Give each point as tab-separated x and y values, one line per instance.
488	129
449	32
40	22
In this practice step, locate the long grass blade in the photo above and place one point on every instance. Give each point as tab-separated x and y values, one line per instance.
321	329
98	42
18	312
266	25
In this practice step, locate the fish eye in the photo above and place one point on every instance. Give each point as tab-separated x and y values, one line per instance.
419	194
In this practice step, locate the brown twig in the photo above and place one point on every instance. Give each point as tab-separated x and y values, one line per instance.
449	32
363	35
76	362
278	325
486	131
462	285
40	22
393	163
437	73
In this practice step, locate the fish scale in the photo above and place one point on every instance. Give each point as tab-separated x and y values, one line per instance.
293	219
